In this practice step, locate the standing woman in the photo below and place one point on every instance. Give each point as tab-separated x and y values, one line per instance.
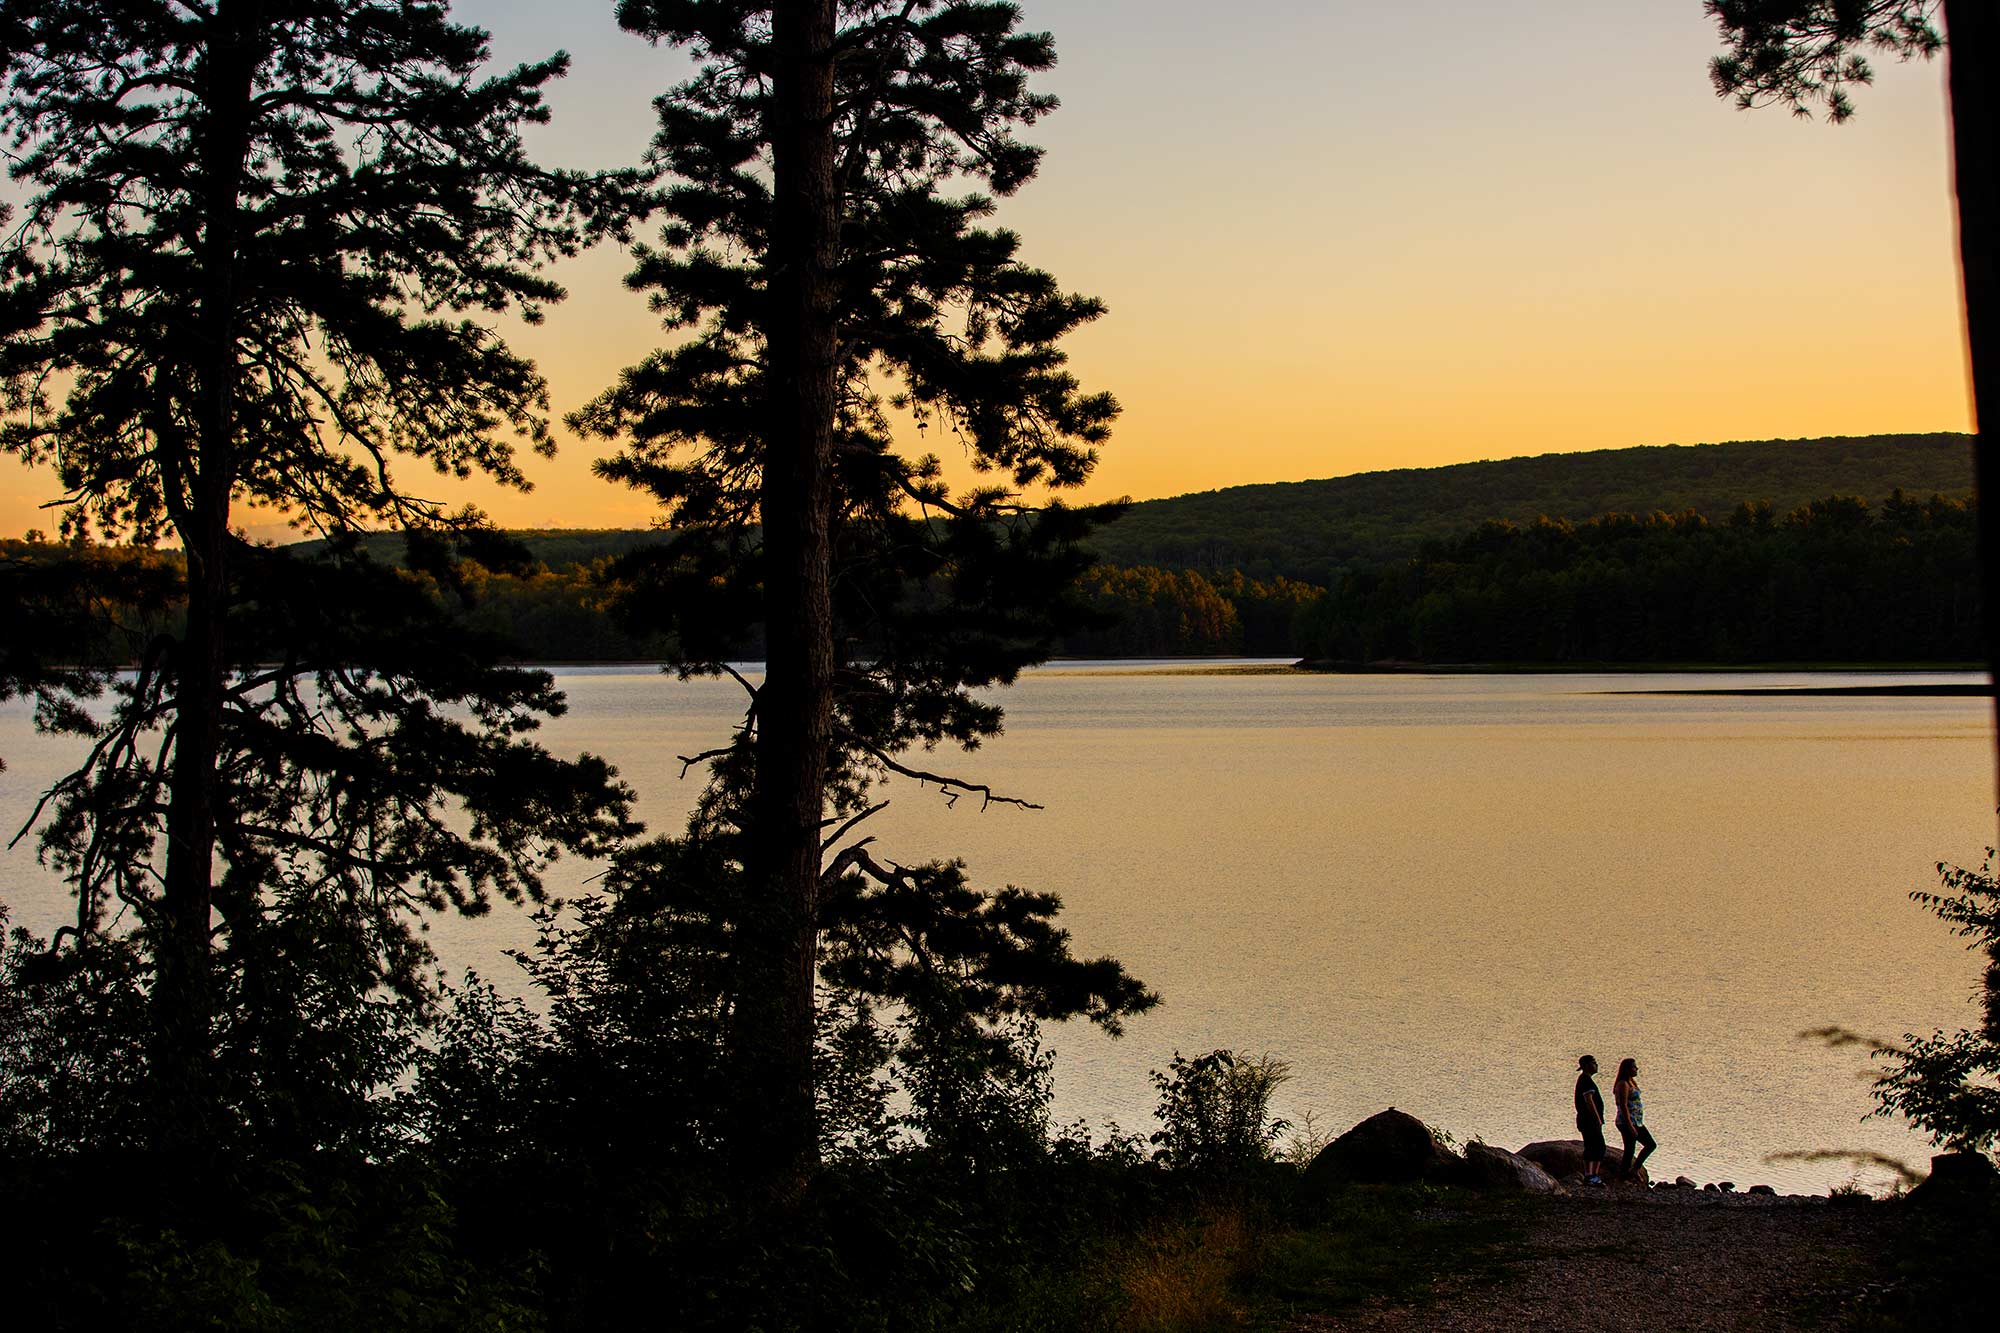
1631	1118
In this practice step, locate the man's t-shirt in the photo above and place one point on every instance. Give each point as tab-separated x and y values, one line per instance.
1589	1101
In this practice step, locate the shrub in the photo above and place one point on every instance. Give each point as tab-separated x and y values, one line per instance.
1945	1083
1215	1111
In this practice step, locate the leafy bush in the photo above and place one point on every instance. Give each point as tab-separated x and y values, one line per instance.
1948	1084
71	1054
1214	1111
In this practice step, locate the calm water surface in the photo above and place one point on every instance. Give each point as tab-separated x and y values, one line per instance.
1426	892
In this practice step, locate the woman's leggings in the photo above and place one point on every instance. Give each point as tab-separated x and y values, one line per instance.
1635	1134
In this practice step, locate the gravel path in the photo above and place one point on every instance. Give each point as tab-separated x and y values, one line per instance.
1617	1260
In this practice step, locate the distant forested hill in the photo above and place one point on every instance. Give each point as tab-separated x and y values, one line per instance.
1806	550
1311	529
1564	557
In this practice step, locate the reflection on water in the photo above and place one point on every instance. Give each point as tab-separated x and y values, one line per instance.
1428	892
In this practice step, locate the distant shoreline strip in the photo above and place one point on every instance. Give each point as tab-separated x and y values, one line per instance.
1939	690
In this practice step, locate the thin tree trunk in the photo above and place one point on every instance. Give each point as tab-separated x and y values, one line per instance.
183	989
778	1132
1973	32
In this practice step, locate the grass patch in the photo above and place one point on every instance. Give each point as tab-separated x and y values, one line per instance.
1367	1244
1179	1277
1262	1261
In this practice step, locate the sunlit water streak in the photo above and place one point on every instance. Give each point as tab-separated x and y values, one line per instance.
1422	891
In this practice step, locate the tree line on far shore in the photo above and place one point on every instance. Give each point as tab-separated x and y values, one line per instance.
1836	580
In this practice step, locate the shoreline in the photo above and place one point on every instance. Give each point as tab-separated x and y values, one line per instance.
1934	690
1339	668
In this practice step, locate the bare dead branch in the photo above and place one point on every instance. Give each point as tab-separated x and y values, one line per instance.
739	678
848	827
690	760
849	858
953	788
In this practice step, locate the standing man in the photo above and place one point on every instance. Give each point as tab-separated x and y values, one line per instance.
1590	1120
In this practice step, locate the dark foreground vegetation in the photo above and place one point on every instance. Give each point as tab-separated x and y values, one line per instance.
555	1166
561	1172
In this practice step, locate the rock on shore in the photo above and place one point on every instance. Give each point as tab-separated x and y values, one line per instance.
1488	1167
1563	1159
1395	1148
1389	1148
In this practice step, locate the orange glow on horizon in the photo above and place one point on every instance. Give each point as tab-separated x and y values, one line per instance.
1548	236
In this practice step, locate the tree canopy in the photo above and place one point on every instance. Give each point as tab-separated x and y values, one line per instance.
269	209
1802	53
256	236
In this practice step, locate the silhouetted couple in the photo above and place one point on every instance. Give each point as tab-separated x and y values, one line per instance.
1631	1119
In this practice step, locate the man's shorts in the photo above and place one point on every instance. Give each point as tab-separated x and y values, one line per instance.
1593	1140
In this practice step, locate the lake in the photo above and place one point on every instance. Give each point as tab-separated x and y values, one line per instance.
1431	892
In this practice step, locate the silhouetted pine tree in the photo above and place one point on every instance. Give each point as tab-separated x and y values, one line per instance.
817	255
239	281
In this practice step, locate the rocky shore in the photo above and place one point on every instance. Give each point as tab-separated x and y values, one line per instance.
1394	1147
1640	1256
1639	1261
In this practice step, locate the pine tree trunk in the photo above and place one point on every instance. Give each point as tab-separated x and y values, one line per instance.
1973	32
779	1139
183	992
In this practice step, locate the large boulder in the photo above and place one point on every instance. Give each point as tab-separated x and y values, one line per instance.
1390	1148
1563	1159
1956	1179
1498	1169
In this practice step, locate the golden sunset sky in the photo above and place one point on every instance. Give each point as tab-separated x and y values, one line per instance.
1338	237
